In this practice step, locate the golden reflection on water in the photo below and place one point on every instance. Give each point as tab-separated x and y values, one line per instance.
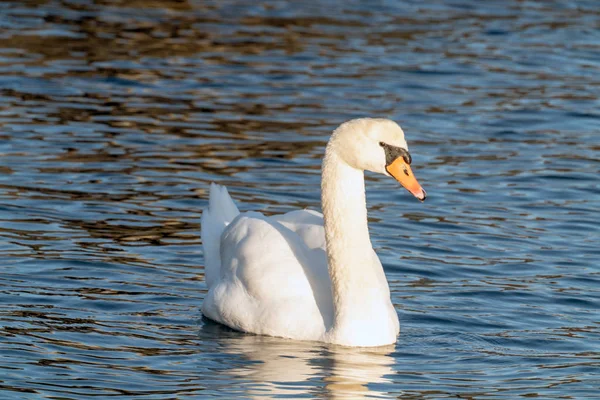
280	367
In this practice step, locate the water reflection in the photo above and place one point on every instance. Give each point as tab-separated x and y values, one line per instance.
278	367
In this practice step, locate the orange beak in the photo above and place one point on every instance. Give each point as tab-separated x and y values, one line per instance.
400	170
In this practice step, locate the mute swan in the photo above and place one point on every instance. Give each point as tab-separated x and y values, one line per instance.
305	275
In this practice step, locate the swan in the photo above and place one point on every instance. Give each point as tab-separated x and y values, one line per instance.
306	275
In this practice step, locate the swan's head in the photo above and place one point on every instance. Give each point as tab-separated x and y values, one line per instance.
377	145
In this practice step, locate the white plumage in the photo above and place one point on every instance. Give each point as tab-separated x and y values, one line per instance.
297	275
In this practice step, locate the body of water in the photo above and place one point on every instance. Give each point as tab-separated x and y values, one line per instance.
116	115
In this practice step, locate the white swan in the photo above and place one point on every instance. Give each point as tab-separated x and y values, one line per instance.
304	275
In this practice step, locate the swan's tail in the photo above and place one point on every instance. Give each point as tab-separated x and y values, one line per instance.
220	212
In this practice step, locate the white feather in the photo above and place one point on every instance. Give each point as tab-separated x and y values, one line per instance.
220	212
296	275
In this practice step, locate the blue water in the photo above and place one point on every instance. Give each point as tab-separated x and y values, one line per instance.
116	115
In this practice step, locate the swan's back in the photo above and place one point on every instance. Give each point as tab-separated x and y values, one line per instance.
307	224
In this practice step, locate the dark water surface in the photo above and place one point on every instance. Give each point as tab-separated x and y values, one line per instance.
115	116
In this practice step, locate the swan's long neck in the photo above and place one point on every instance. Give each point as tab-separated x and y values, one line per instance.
345	213
359	287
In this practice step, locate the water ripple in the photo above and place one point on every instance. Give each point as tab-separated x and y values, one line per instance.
116	115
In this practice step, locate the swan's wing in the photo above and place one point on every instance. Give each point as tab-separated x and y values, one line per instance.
271	281
307	224
265	254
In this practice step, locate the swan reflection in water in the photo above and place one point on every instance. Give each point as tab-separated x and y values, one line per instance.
270	366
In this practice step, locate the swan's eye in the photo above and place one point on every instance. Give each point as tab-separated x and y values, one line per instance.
382	144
